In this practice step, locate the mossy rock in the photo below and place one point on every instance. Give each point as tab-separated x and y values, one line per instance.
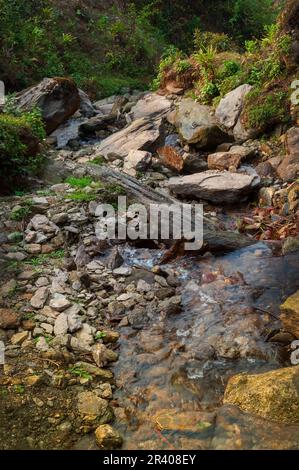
273	395
290	314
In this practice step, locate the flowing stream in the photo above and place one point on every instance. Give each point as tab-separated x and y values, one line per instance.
172	371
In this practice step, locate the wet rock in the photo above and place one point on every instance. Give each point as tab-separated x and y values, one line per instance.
213	186
107	438
273	395
9	319
137	160
182	421
59	302
196	124
236	430
89	404
290	314
58	99
171	306
289	168
229	112
40	297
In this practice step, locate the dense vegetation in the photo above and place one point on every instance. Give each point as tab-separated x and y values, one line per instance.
106	45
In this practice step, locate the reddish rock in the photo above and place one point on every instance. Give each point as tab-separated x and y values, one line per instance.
171	158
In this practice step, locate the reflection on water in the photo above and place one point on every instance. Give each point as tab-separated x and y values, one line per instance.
172	372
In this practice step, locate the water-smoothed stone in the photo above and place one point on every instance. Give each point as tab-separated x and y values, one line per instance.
215	186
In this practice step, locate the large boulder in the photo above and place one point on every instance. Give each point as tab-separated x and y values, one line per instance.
142	134
86	106
197	124
290	314
218	187
289	168
57	98
273	395
229	112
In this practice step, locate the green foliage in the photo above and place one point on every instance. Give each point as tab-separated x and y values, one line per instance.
263	111
97	161
80	372
100	335
79	182
43	258
81	196
19	137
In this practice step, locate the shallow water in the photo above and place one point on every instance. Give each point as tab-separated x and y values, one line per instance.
172	372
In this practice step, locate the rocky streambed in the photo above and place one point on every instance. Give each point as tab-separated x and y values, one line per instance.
140	345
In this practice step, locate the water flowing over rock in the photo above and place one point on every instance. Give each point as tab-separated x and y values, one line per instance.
214	186
58	99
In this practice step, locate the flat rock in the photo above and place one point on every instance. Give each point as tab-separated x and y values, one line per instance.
89	404
151	106
214	186
59	302
142	134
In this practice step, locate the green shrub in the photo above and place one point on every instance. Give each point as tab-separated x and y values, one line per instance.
19	146
265	110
